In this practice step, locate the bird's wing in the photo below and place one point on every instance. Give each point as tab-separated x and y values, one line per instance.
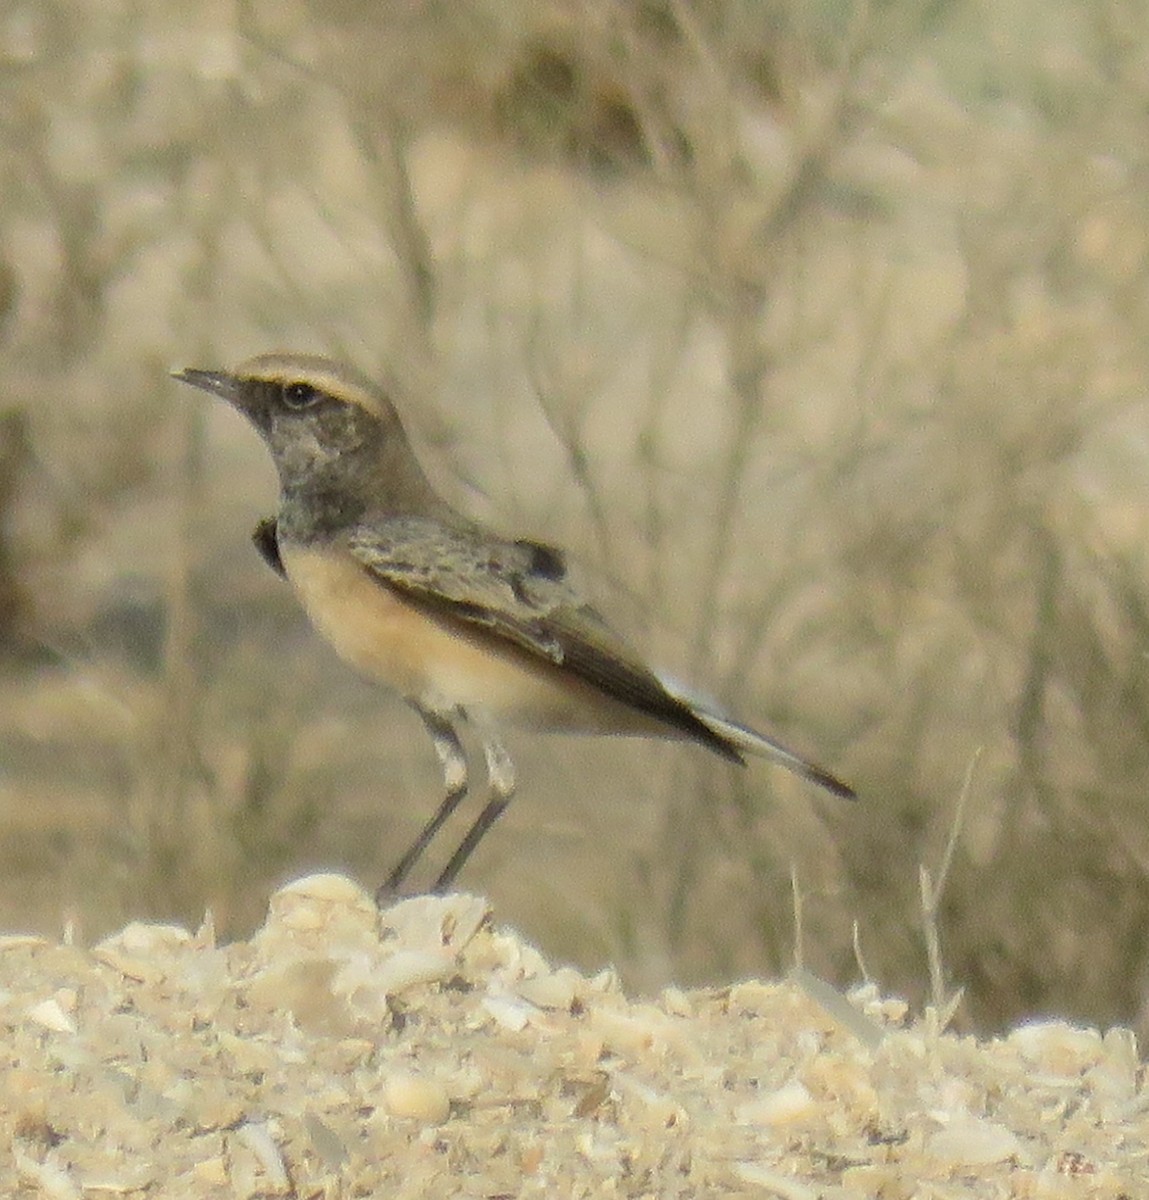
518	591
509	588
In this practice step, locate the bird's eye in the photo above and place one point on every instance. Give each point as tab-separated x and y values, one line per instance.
301	395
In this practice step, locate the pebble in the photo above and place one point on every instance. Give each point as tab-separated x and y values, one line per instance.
417	1098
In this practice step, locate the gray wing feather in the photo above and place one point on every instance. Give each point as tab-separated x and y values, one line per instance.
512	588
519	591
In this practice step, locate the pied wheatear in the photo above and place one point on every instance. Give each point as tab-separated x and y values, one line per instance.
464	624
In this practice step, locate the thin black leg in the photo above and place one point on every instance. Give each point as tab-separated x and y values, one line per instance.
454	762
501	774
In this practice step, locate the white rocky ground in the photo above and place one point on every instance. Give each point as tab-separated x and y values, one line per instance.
425	1052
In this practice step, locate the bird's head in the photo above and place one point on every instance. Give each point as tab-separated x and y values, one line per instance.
312	412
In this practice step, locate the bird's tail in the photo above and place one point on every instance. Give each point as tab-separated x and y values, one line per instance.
744	740
749	741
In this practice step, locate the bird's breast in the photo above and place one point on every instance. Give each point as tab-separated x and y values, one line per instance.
439	662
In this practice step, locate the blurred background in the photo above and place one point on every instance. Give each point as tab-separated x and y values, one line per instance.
816	331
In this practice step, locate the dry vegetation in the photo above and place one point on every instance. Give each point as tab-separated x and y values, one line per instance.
818	331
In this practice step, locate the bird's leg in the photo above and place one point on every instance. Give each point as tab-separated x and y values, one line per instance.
501	774
454	762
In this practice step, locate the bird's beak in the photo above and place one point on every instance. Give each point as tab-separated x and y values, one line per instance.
219	383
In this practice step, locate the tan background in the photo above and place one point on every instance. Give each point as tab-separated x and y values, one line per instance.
817	332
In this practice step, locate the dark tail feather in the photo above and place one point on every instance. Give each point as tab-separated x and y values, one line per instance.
751	742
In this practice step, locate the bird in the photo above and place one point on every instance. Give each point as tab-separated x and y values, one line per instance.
469	627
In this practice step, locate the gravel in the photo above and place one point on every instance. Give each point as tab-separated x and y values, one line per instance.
425	1052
